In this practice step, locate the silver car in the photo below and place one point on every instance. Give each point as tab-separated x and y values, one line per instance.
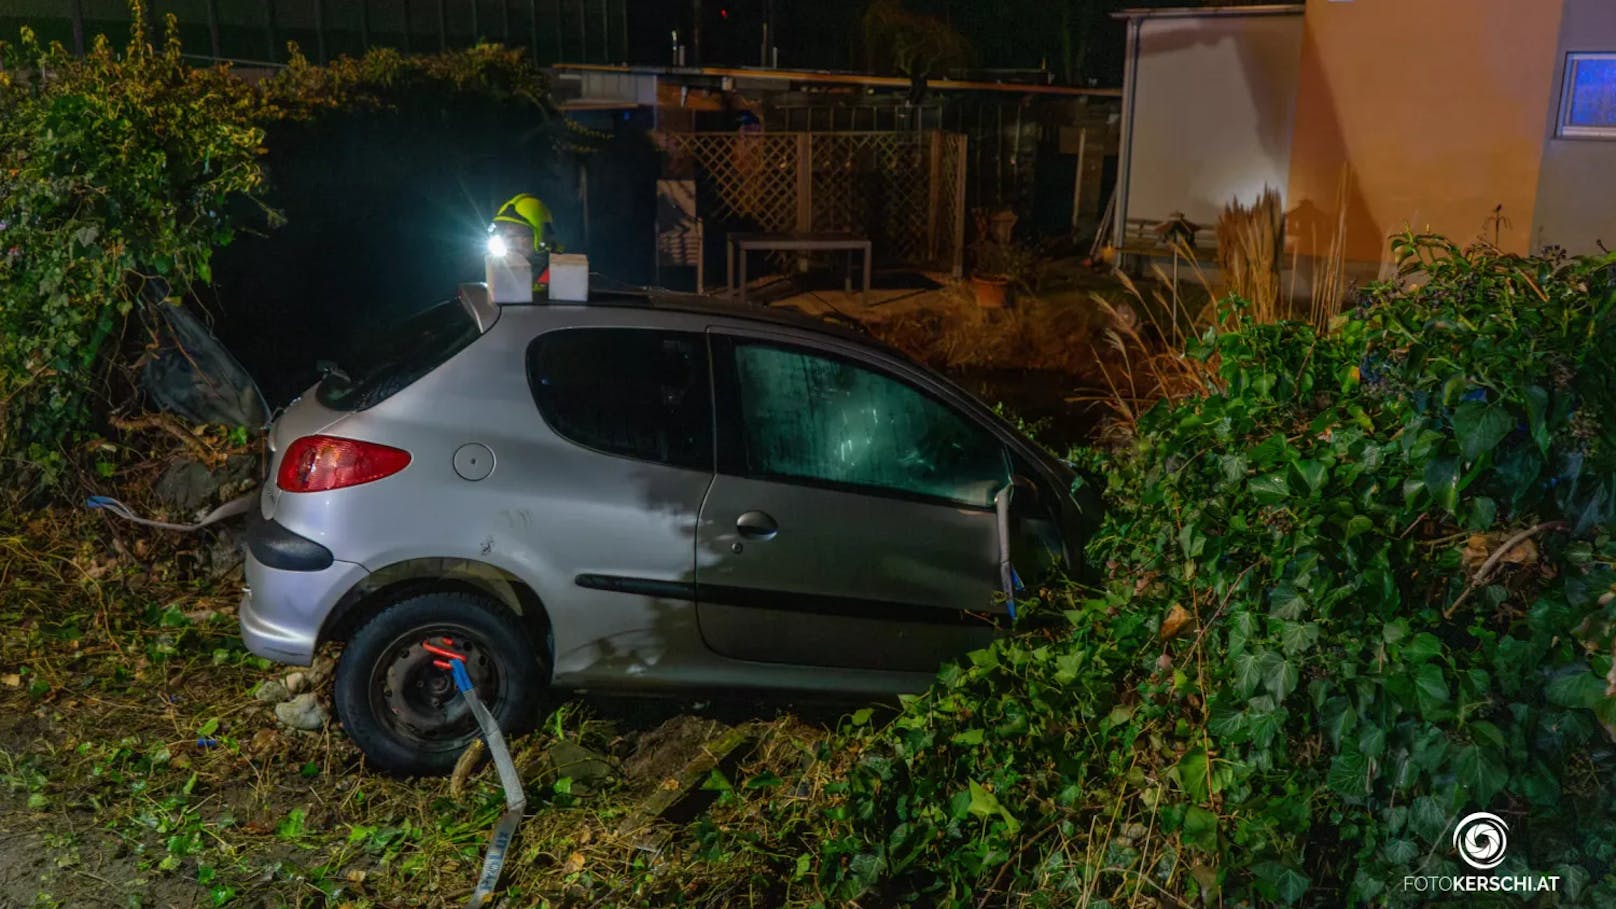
634	493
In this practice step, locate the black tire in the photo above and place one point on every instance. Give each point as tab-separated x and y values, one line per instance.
403	712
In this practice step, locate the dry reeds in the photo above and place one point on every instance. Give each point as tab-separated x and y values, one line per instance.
1251	241
1329	273
1149	370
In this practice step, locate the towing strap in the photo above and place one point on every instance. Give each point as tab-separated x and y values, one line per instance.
515	798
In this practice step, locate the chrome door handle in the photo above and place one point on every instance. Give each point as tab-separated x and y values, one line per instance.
756	525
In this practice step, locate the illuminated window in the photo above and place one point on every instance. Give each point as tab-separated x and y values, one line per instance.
1588	106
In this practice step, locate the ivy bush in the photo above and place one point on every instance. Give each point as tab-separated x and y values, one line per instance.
1357	592
122	172
115	169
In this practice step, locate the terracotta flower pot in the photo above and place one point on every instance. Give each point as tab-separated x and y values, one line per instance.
992	291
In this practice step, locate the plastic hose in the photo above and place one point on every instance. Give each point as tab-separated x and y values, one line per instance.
230	509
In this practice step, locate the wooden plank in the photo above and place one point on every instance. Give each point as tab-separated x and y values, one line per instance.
641	824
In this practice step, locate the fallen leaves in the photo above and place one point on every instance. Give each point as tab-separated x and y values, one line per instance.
1480	547
1176	620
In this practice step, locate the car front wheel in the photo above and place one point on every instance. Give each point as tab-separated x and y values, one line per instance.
403	711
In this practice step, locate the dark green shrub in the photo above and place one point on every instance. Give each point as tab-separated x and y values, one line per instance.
1295	681
115	169
122	173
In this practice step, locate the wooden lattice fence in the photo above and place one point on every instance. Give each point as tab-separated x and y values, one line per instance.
905	190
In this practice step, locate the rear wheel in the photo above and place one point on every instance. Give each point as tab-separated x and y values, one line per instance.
403	711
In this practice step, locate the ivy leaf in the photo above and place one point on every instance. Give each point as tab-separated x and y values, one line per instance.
968	737
1400	852
1279	675
1269	489
1283	881
1192	774
984	804
1480	427
1201	828
1537	422
1442	481
1427	820
1481	771
1247	674
1286	601
1313	473
1424	646
1296	637
1349	774
1580	688
1431	690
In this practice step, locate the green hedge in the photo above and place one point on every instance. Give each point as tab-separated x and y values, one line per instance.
118	168
128	166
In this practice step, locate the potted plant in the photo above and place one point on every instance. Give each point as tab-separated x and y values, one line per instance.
990	278
999	261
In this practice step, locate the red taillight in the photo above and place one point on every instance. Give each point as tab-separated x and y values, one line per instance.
319	463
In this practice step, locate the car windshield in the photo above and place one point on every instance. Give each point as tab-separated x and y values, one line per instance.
392	359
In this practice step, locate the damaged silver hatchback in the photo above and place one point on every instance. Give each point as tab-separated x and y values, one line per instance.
635	494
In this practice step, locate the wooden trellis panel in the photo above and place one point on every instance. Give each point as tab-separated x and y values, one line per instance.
904	190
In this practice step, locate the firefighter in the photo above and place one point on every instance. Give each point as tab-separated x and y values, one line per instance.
525	224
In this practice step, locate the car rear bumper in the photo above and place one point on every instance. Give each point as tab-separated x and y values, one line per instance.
282	610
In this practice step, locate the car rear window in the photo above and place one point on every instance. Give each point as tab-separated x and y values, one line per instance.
391	359
635	392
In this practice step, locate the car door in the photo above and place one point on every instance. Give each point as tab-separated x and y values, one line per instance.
851	522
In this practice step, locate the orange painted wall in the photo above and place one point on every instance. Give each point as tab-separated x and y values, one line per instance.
1436	107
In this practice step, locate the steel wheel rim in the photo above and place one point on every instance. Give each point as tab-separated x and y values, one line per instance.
417	702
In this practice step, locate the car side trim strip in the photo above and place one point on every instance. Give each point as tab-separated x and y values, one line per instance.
791	601
846	607
647	587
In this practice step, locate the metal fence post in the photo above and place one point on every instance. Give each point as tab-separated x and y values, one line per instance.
319	31
934	193
78	29
269	28
213	29
959	204
805	191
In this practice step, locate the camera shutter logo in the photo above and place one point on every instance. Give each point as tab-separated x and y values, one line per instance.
1481	839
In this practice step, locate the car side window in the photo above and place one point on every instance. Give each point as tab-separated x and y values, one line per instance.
808	415
634	392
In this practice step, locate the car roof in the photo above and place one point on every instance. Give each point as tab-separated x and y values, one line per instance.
664	301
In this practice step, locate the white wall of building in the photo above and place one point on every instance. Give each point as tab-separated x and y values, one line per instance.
1208	109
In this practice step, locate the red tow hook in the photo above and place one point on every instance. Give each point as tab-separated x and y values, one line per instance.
443	652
